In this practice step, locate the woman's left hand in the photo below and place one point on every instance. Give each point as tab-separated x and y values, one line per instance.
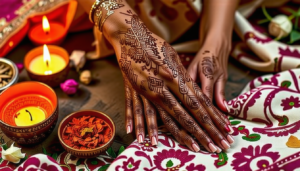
210	66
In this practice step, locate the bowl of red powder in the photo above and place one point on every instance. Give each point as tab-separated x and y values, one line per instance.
86	133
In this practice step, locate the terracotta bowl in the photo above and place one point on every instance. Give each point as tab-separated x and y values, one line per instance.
13	68
22	95
91	153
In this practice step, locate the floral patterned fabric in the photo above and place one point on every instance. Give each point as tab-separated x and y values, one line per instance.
63	162
266	114
70	163
39	162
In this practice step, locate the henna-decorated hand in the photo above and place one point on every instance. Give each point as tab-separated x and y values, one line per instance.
154	70
210	66
135	104
210	63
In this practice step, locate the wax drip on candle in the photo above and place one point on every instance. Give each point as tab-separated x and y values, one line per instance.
29	114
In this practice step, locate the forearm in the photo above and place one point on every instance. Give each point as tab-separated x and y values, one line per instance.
217	18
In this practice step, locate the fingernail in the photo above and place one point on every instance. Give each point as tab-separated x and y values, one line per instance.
219	150
231	129
225	144
230	139
225	104
227	128
196	147
154	141
226	119
128	129
212	147
141	139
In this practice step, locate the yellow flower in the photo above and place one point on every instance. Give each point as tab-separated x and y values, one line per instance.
12	154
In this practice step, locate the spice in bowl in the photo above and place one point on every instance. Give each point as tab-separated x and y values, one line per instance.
6	73
86	133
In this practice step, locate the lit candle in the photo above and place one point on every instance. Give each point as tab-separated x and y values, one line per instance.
29	116
47	63
47	32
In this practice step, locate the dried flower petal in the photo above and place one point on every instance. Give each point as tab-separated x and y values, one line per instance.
91	119
69	130
88	139
75	121
99	128
86	130
84	118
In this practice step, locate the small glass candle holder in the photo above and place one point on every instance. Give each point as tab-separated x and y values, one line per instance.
28	112
58	71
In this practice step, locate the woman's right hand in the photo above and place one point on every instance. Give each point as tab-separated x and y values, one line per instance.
154	70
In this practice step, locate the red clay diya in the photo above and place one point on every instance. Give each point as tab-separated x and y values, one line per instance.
29	112
47	33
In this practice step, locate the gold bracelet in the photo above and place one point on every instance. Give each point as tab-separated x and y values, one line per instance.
97	24
92	11
101	27
109	7
95	11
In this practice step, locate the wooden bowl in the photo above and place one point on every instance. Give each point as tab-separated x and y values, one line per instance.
23	95
91	153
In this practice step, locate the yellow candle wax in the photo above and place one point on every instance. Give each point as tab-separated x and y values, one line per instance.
39	66
23	118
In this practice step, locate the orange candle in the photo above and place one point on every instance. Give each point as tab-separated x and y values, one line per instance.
47	32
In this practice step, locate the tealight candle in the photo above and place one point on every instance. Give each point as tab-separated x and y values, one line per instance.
47	64
47	32
29	116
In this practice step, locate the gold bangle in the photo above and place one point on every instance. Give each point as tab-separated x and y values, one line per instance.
101	27
92	11
99	19
95	10
109	7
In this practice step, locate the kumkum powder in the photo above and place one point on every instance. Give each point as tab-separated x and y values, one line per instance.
86	133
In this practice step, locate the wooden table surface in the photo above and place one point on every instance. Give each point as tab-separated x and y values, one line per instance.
106	93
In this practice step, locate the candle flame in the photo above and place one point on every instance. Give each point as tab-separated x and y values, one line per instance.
46	25
47	59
